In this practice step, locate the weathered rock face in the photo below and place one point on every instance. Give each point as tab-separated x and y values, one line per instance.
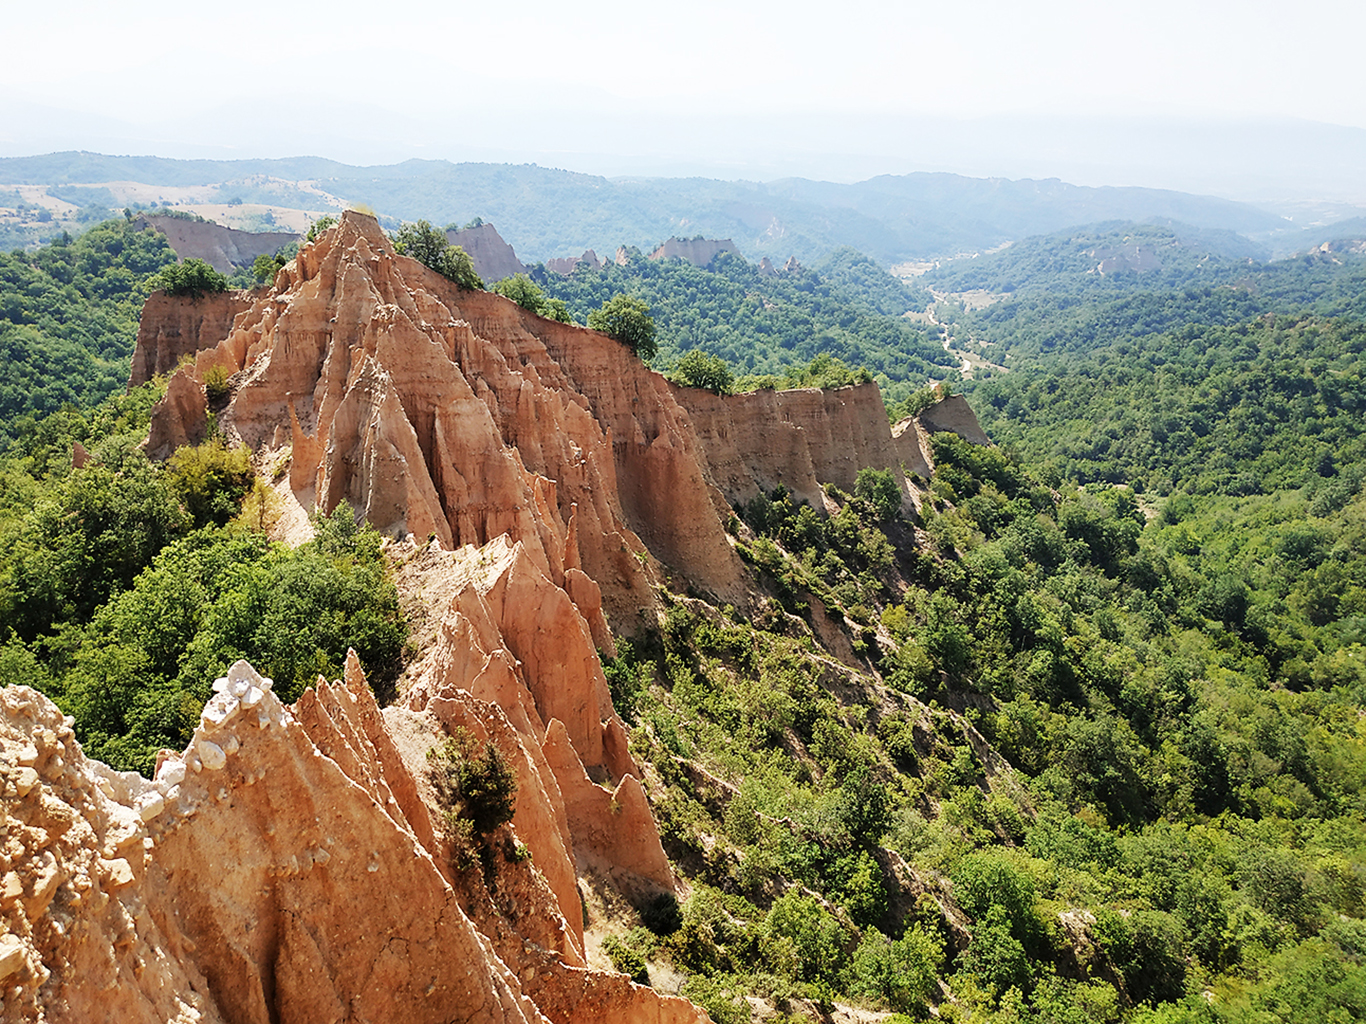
513	639
221	247
956	416
913	445
564	265
800	439
458	415
284	866
174	327
493	258
697	251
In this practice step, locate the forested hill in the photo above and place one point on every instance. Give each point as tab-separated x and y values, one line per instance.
1076	290
848	308
68	317
547	213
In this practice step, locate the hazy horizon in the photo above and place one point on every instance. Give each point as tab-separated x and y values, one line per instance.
1242	101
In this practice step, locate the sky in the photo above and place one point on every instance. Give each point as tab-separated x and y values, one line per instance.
733	89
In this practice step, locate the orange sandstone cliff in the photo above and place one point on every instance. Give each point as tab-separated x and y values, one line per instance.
800	439
458	416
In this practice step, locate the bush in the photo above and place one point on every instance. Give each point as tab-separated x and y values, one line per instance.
526	293
901	972
627	958
429	247
194	278
879	487
627	320
805	942
216	387
319	226
211	480
696	369
479	788
662	915
995	957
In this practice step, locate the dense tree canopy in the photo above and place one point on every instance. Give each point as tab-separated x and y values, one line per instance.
764	324
68	318
192	277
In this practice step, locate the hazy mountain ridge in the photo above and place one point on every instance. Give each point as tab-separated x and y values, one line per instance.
546	213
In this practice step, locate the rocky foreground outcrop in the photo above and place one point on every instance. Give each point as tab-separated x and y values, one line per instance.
290	864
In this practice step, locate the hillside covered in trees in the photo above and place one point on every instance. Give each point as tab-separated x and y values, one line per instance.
762	324
1081	739
69	315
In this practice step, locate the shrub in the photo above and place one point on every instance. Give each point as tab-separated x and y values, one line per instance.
522	290
216	384
210	480
480	788
193	277
627	320
626	958
319	226
902	972
662	915
879	487
429	247
696	369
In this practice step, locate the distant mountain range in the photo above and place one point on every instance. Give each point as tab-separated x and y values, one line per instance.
545	213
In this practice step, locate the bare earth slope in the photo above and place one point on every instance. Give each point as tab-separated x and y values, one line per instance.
221	247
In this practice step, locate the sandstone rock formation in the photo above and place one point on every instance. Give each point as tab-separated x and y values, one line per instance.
954	415
800	439
493	258
221	247
564	265
283	867
460	416
174	327
913	446
697	251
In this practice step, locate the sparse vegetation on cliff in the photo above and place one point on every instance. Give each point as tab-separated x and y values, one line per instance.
193	277
429	247
627	319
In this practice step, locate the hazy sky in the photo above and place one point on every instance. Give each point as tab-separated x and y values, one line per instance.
453	80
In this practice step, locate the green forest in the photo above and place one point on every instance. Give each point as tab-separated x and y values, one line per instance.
1054	299
68	318
846	308
1089	742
